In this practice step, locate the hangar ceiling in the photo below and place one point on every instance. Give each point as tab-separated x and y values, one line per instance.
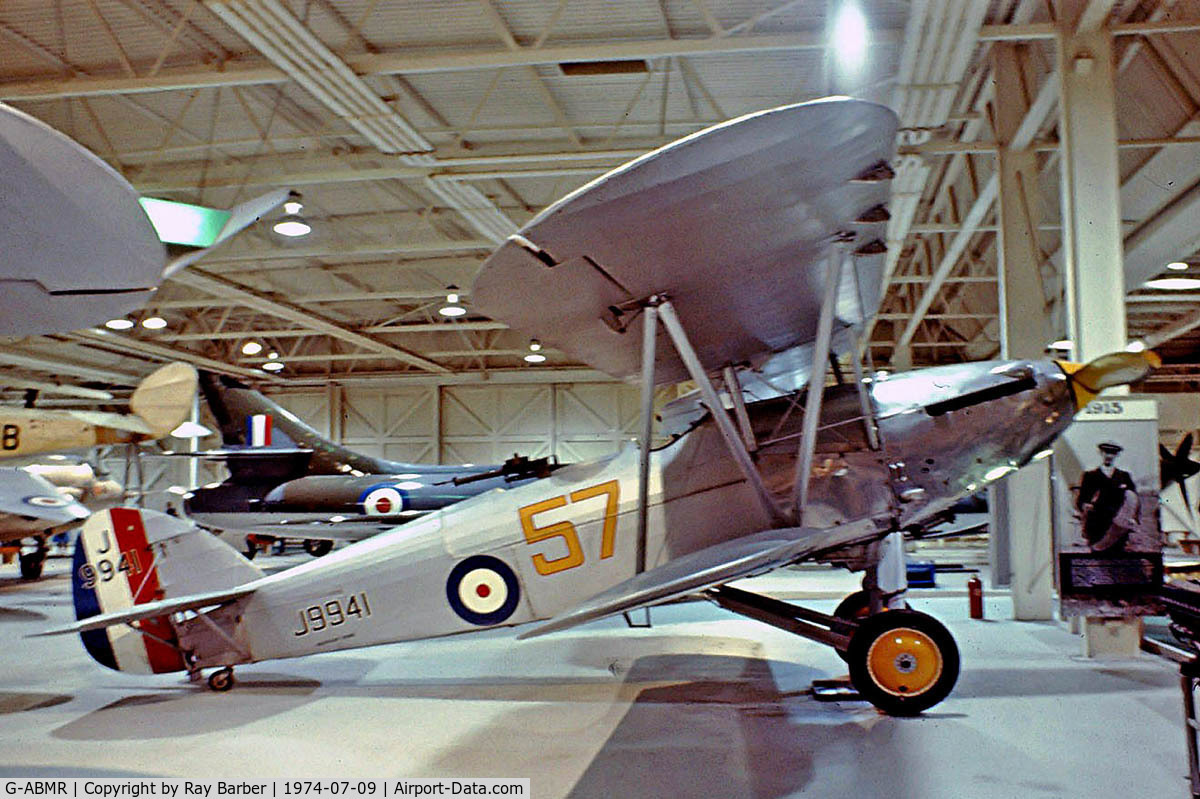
421	134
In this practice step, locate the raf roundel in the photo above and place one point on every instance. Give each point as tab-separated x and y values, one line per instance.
382	500
483	590
46	502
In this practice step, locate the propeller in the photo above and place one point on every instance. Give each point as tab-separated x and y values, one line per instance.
1178	467
1114	369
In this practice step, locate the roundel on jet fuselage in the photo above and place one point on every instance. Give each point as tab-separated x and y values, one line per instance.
383	499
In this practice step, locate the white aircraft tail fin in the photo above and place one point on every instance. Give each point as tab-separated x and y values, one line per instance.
164	399
133	565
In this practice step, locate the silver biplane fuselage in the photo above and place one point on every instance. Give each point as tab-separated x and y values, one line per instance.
944	432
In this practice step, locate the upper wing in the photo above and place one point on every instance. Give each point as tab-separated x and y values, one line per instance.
77	247
715	565
733	223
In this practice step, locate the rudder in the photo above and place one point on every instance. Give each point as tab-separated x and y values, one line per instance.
129	556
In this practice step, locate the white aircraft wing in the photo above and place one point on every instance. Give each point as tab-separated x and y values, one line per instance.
26	497
77	247
715	565
734	224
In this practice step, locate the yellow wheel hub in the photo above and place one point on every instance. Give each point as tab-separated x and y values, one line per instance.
904	661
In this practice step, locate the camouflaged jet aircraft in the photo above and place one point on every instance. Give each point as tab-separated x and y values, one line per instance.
749	250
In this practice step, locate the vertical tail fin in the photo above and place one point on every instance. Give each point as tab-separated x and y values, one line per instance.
128	556
234	405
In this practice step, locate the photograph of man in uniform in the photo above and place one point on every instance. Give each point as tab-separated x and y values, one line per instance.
1107	503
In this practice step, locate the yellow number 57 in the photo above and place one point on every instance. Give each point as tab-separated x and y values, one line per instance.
566	531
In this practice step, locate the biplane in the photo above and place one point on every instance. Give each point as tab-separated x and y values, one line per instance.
743	258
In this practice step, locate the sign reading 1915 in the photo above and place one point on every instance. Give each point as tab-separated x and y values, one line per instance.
1104	407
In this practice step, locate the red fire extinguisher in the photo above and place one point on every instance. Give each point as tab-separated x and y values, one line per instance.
975	596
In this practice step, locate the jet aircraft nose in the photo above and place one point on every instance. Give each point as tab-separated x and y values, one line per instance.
1114	369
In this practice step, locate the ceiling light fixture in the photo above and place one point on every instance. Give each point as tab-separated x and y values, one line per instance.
1178	266
534	355
292	225
1174	283
251	348
272	355
1063	345
154	323
118	324
1135	346
850	37
273	366
452	308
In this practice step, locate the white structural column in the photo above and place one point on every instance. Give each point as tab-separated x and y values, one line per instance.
1091	199
1091	214
1020	504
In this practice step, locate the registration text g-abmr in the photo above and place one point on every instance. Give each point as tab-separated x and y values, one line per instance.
36	788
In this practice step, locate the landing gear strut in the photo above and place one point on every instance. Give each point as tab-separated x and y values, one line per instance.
32	562
901	661
221	679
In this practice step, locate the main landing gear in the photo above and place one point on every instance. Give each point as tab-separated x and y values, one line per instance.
33	562
901	661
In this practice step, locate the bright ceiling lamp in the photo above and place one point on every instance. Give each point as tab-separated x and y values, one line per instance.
292	225
251	348
1174	283
534	355
452	308
850	37
118	324
1062	345
273	366
190	430
1178	266
154	323
1135	346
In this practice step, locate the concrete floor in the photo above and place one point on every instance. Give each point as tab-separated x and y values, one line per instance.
704	704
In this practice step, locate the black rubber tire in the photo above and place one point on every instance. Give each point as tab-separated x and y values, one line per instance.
317	546
32	564
221	680
873	629
855	606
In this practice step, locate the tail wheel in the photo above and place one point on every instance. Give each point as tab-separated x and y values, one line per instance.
221	679
903	661
317	547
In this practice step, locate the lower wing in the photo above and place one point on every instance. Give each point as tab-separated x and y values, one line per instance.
715	565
